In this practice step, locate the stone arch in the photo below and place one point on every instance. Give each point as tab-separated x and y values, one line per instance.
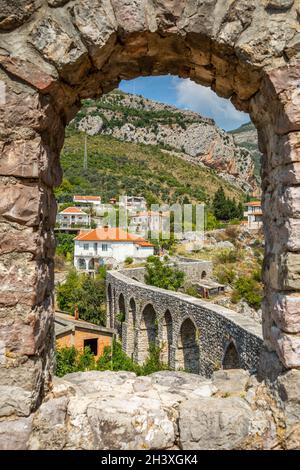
214	43
147	334
131	329
188	353
167	337
231	359
121	315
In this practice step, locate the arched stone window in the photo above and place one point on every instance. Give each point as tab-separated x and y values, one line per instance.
231	358
188	347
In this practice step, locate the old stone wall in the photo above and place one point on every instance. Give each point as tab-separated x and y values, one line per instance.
194	270
184	326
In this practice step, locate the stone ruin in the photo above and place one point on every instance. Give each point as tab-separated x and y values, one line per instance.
55	53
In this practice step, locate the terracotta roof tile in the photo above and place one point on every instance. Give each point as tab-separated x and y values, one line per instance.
111	234
72	210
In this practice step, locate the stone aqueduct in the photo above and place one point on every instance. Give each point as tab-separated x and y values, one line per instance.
53	53
193	335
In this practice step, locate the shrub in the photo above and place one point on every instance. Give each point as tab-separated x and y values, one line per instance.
70	360
248	289
224	275
227	256
87	293
128	260
160	274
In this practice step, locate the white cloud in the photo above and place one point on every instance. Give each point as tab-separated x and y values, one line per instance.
206	102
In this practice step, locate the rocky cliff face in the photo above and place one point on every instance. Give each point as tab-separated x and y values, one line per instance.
246	138
136	119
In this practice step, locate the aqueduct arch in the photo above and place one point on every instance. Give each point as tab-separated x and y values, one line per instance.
147	335
246	50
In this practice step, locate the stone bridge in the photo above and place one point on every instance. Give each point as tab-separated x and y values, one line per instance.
194	335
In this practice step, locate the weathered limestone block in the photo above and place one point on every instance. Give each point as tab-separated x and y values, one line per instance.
14	434
97	25
285	309
289	384
49	426
130	15
14	400
57	3
214	423
280	4
287	347
62	47
16	12
230	382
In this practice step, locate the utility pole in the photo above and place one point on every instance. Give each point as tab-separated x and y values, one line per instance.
85	153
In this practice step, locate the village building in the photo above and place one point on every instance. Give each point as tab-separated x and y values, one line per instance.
253	215
91	200
73	216
108	246
133	204
145	221
72	331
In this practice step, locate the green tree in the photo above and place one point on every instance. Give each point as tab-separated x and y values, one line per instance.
64	244
87	293
160	274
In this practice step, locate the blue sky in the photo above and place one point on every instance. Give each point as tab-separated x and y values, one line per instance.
186	94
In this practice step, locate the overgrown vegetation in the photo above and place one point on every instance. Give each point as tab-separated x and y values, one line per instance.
161	274
225	208
72	360
87	293
116	167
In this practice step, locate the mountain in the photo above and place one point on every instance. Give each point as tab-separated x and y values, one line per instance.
116	167
194	138
246	137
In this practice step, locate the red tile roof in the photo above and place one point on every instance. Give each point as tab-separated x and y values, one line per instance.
253	204
72	210
111	234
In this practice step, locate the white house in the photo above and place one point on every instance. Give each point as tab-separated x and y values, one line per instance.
108	246
253	214
73	216
94	200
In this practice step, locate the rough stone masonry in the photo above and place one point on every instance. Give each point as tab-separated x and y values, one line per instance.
54	53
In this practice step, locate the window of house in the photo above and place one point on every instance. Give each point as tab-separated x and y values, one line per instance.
85	246
92	344
104	247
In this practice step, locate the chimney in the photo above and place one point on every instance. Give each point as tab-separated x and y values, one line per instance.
76	312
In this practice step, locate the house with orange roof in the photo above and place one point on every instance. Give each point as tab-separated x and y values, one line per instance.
94	200
73	217
253	215
108	246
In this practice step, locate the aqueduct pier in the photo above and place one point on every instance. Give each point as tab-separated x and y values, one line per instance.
194	335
